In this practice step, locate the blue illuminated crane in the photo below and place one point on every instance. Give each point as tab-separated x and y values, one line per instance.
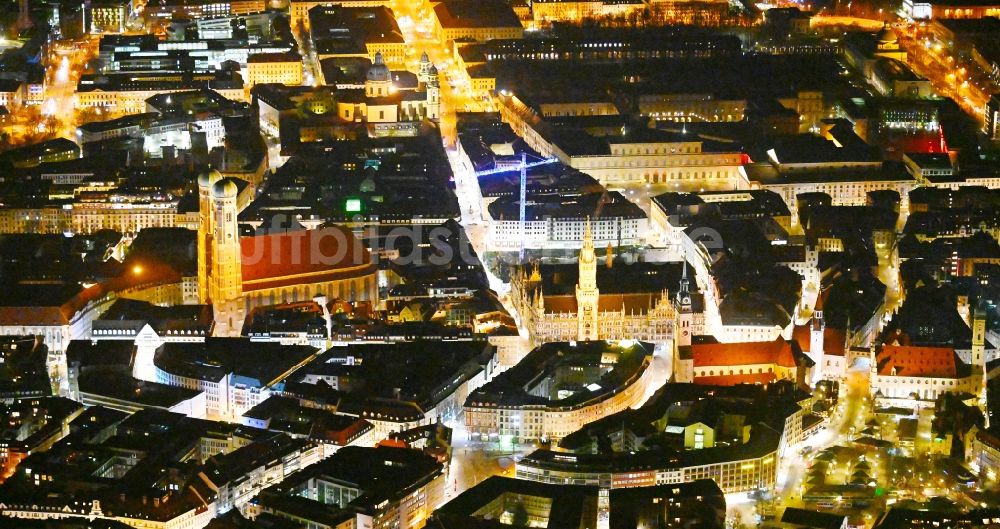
522	166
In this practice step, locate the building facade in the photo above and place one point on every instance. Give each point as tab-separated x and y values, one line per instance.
627	161
741	474
590	315
489	417
284	68
742	363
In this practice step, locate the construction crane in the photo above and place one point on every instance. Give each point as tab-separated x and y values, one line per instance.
523	167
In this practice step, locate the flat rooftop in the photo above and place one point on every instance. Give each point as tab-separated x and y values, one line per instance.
597	205
257	364
115	384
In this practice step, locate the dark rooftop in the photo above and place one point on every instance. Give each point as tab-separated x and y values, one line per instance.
569	503
256	364
382	474
597	205
812	519
405	377
518	385
476	14
336	29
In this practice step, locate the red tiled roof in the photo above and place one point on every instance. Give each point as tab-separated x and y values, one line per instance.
560	304
803	335
341	437
638	303
732	380
834	341
302	257
151	274
393	443
821	298
778	352
911	361
27	316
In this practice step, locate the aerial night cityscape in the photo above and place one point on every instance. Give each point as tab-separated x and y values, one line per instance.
488	264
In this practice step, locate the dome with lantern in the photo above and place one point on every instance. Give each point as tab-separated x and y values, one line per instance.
887	36
379	72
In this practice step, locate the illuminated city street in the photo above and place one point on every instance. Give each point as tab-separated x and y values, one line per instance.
58	114
961	80
415	19
957	79
68	62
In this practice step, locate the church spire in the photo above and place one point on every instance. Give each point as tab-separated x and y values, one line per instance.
979	370
587	294
588	265
588	238
424	70
684	287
